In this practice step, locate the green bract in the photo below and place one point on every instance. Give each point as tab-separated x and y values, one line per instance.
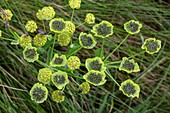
103	29
84	88
151	45
38	93
129	65
58	60
64	39
130	89
60	79
57	96
95	64
132	27
57	25
30	53
73	62
96	78
87	40
44	75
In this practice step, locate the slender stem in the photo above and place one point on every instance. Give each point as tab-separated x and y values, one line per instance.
112	78
53	46
74	51
7	39
44	26
80	24
136	54
72	15
117	47
101	53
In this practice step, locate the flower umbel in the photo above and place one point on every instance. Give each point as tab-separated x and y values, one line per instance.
40	40
151	45
132	27
130	89
58	60
129	65
90	19
44	75
57	25
38	93
87	40
31	26
103	29
73	62
75	4
30	53
24	40
64	39
84	88
96	78
58	96
60	79
70	27
95	63
6	15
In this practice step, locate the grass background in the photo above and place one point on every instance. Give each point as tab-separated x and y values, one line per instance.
18	76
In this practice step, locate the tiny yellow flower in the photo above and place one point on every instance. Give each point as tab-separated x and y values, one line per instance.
58	96
96	78
132	27
130	89
38	93
60	79
30	53
39	15
73	62
70	27
24	40
44	75
75	4
90	19
31	26
95	63
151	45
64	39
40	40
84	88
58	61
129	65
6	15
47	13
104	29
57	25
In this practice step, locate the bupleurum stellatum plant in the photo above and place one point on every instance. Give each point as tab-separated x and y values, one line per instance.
61	66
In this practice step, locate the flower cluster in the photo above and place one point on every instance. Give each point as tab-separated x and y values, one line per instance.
31	26
75	4
6	15
24	40
73	62
40	40
44	75
46	13
90	18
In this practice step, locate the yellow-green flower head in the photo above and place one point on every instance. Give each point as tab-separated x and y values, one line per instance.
95	63
73	62
0	33
96	78
60	79
85	88
40	40
70	27
38	93
104	29
129	65
75	4
24	40
151	45
39	15
87	40
30	53
58	61
64	39
6	15
47	13
31	26
57	96
132	27
44	75
57	25
130	89
90	18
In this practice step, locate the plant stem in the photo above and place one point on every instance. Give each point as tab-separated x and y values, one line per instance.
117	47
136	54
44	26
112	78
72	15
7	39
101	53
80	24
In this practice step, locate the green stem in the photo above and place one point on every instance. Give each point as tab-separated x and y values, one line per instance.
7	39
80	24
72	15
136	54
55	36
117	47
74	51
101	53
112	78
44	26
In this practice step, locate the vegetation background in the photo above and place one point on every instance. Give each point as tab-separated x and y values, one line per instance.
18	76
